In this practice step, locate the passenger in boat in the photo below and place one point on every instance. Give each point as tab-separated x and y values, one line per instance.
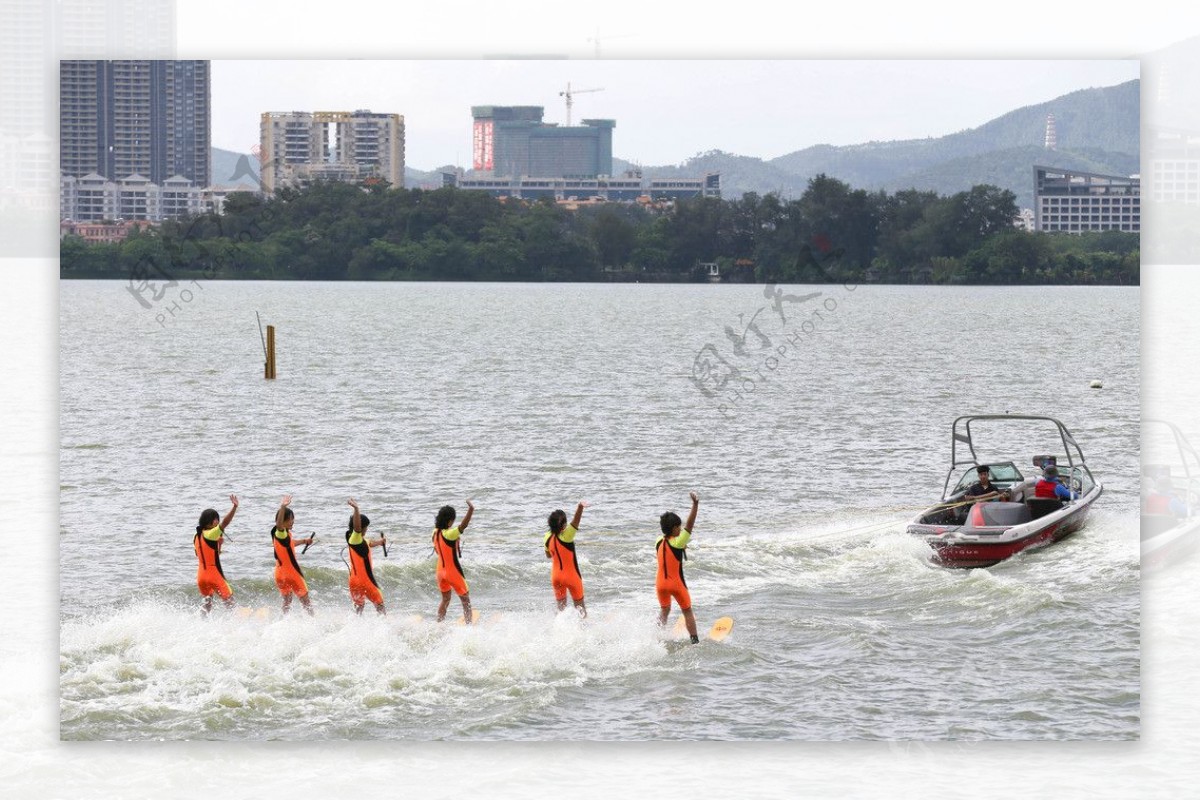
669	582
1051	486
559	544
447	544
984	489
362	578
289	578
1162	500
207	544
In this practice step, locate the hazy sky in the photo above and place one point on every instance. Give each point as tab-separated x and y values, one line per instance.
666	110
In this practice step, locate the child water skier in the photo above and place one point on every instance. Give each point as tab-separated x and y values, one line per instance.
207	544
669	582
362	578
447	545
289	578
559	544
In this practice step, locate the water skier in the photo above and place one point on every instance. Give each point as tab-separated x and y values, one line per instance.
289	578
669	582
447	545
207	544
362	578
559	545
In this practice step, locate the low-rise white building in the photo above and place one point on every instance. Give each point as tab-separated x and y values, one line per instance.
94	198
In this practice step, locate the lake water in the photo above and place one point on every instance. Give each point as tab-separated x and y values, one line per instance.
527	398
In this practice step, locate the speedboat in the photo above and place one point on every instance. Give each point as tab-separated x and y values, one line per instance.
1170	496
966	533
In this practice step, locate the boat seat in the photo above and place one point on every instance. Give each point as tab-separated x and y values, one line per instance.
1023	490
998	513
1040	507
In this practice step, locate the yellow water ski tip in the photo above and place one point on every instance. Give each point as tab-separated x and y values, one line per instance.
261	613
719	631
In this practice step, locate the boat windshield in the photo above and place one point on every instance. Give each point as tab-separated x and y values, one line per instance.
1002	473
1080	480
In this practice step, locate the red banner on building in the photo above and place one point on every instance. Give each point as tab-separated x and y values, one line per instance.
483	144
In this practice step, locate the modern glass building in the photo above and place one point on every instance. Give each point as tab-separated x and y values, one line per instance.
1073	201
513	141
1175	167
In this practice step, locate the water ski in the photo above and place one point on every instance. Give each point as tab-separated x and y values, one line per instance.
719	631
462	621
259	613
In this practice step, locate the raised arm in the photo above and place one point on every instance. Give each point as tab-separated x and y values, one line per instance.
691	521
279	512
579	514
466	521
355	520
229	517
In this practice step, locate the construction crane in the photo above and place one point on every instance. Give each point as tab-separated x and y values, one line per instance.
598	38
569	93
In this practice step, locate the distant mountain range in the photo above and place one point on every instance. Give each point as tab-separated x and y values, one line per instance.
1098	131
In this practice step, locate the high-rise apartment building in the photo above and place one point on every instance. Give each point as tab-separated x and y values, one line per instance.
513	141
146	118
300	147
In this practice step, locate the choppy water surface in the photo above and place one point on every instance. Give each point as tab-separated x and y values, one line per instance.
528	398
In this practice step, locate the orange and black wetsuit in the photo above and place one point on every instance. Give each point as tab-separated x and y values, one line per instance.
209	576
669	581
289	578
564	565
447	545
362	579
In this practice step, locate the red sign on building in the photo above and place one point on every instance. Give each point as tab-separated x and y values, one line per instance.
483	144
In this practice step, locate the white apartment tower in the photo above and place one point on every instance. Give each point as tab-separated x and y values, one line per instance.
300	147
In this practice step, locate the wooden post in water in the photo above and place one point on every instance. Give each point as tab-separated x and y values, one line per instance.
270	366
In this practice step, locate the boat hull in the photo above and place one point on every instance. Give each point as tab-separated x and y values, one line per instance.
1166	545
959	547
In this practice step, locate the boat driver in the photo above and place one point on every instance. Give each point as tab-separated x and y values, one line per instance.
984	489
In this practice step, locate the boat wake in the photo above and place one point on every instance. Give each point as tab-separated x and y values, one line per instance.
147	671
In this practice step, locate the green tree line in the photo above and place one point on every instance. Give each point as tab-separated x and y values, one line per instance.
338	231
